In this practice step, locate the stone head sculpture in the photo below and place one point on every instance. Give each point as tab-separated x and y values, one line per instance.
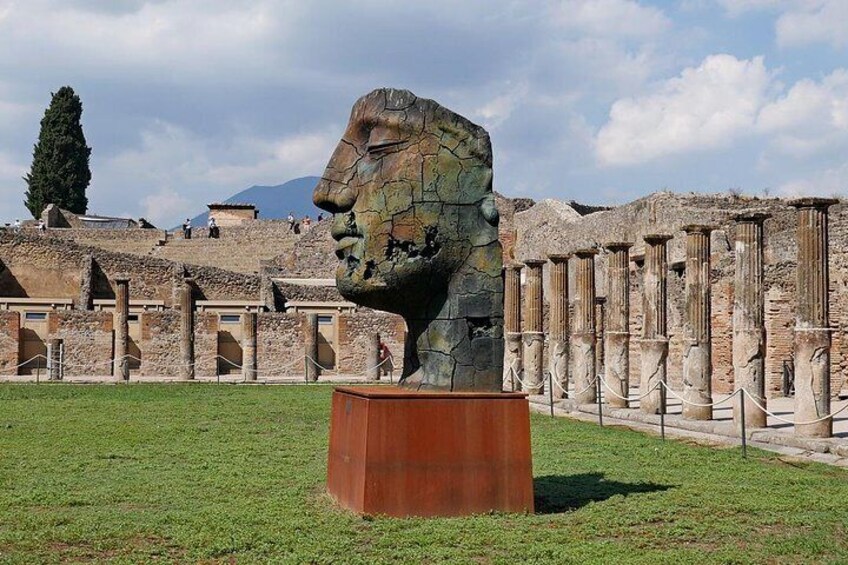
410	189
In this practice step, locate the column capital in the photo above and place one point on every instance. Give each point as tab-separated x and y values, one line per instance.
513	266
586	253
559	257
531	263
751	217
125	279
813	202
657	238
618	245
698	228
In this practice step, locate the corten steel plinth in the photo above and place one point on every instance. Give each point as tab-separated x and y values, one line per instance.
812	322
534	338
513	365
749	333
654	350
583	337
397	452
617	331
558	332
697	335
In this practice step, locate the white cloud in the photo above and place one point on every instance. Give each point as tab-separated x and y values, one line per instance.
175	171
738	7
811	117
829	182
616	18
823	21
703	108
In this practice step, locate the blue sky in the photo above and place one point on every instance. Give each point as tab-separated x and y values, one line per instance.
602	101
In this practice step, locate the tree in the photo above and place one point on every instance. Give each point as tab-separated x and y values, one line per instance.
60	172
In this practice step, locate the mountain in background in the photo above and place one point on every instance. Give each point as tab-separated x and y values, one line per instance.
275	202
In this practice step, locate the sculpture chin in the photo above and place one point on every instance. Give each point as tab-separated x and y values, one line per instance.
354	287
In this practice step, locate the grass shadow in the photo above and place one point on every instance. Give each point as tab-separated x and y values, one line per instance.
555	494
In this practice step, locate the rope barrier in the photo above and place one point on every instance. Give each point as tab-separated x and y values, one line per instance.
19	365
784	420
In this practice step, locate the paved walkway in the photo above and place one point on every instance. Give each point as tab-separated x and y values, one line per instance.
778	436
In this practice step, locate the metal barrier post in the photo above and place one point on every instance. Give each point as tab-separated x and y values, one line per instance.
600	404
37	370
551	391
662	409
742	415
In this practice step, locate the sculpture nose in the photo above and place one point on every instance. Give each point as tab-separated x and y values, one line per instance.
333	196
335	192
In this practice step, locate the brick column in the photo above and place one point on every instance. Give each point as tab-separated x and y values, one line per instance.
583	337
558	331
617	334
310	342
654	350
187	329
812	331
372	358
512	324
54	357
534	338
248	346
121	370
697	333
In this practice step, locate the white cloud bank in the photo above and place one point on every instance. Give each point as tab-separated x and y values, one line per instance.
703	108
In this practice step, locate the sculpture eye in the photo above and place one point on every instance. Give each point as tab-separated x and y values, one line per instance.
385	146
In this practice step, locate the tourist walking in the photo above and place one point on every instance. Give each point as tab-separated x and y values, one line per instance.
290	220
213	229
387	364
187	229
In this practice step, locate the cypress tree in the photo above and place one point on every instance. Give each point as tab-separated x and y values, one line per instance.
60	172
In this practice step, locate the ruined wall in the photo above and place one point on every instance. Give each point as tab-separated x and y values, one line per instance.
355	331
88	340
135	241
160	343
48	267
205	343
279	344
10	341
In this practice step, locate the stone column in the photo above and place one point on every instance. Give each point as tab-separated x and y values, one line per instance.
512	324
534	338
812	321
310	342
121	369
600	329
583	337
654	350
248	346
187	329
697	334
372	358
558	331
749	333
54	354
617	334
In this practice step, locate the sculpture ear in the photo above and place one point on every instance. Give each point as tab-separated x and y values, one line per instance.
489	210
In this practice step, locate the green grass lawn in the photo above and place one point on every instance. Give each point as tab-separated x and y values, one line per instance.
223	473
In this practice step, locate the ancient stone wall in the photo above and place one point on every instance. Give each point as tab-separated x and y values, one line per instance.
279	343
205	343
88	340
355	331
10	341
160	343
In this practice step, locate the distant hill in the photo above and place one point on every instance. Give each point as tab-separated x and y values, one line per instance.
275	202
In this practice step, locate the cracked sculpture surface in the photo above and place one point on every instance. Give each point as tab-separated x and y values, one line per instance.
410	189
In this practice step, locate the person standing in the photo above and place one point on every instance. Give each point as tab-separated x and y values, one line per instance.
42	227
17	225
387	364
213	229
290	220
187	229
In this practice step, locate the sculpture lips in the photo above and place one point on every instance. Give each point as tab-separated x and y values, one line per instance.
345	244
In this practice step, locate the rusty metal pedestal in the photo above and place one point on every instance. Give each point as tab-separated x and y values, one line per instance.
404	453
